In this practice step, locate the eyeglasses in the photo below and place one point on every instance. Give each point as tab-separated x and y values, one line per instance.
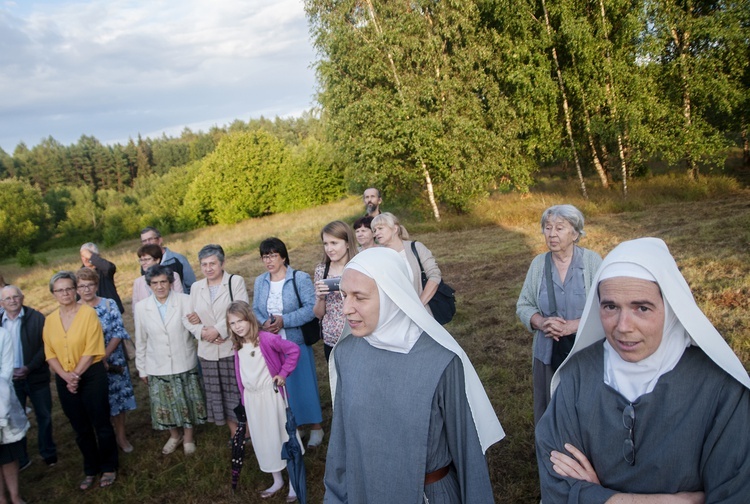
146	259
269	257
628	421
87	287
11	298
66	290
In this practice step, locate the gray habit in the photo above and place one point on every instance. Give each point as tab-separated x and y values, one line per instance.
396	418
692	433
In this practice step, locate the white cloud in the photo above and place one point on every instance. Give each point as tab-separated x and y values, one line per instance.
108	64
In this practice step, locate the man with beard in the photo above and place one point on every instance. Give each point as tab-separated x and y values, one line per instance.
372	201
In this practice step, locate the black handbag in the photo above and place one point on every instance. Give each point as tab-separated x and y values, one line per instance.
443	303
561	347
310	330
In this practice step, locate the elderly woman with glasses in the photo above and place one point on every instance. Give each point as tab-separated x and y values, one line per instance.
150	255
74	349
121	395
209	300
652	405
553	296
167	362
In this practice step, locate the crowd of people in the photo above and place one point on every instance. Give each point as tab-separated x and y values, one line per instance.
636	397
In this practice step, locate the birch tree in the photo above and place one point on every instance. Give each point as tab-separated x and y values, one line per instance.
409	103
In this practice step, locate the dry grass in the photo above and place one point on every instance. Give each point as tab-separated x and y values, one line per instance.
485	256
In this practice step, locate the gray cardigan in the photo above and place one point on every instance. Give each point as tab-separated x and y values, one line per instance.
428	263
528	300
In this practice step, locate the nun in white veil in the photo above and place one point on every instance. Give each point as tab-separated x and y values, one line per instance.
411	420
651	405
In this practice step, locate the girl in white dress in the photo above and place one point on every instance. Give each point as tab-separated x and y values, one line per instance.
263	359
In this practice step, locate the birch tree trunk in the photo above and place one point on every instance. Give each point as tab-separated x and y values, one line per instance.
566	111
425	171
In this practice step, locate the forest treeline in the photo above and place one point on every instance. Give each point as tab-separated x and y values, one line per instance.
57	195
438	102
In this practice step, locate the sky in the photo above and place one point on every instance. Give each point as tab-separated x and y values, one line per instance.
116	68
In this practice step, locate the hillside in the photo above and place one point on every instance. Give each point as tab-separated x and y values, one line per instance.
485	256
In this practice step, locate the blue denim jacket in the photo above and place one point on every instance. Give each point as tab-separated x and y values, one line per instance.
294	314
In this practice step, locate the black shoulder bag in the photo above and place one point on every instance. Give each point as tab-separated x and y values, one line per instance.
443	303
311	329
562	347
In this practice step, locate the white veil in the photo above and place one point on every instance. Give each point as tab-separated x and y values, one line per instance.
653	255
388	270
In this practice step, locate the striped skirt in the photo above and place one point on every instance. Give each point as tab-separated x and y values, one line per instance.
222	393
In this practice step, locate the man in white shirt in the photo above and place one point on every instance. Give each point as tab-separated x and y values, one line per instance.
31	375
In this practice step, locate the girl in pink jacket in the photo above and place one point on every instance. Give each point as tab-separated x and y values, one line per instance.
262	359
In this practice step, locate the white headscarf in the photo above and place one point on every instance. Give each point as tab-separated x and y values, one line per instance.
395	331
633	379
652	256
402	320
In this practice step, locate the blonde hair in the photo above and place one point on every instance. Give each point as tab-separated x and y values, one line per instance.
390	220
243	310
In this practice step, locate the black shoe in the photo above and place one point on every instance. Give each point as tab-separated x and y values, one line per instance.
24	466
51	461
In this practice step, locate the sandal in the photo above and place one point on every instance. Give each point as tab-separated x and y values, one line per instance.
107	479
86	483
171	445
265	494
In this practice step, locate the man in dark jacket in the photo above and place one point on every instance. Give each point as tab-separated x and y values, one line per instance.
91	259
31	375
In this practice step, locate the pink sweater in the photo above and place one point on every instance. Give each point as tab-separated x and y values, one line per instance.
281	357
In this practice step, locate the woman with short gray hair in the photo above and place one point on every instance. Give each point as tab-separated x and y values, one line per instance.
74	350
554	294
209	300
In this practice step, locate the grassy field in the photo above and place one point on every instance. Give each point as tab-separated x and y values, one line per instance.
485	256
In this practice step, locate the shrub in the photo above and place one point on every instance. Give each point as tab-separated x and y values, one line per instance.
25	258
23	216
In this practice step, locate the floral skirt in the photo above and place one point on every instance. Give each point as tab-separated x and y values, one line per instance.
177	400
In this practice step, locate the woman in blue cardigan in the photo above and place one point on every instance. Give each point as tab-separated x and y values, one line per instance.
276	306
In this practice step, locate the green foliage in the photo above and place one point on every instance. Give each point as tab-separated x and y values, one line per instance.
83	217
25	258
240	179
23	216
313	178
119	216
6	164
700	54
253	173
161	199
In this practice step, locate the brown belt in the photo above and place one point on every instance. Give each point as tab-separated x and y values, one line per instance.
435	476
